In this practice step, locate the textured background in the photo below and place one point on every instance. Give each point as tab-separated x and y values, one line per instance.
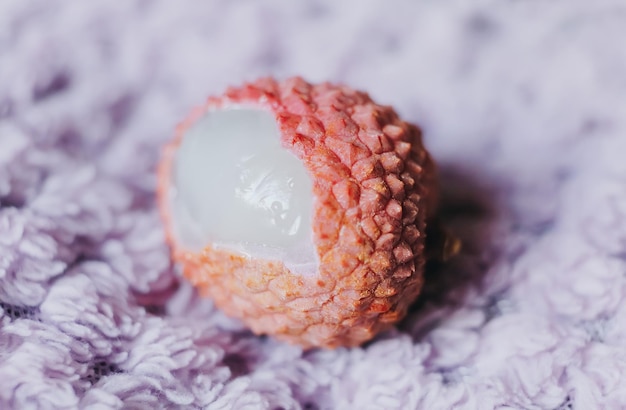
523	103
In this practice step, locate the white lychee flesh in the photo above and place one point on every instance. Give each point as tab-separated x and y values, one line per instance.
236	187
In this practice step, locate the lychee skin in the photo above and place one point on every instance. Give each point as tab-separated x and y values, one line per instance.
374	186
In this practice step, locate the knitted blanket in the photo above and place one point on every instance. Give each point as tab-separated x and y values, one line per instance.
523	104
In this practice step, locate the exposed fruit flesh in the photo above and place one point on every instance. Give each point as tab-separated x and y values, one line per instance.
236	187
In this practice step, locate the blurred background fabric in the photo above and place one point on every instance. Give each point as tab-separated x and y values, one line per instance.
523	104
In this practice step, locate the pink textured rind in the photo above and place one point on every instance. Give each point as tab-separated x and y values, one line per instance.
374	187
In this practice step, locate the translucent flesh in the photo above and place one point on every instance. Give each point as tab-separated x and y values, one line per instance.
236	187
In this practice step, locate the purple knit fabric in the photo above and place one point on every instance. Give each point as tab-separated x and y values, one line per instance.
523	104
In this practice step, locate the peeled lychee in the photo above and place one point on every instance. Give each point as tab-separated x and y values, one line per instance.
300	209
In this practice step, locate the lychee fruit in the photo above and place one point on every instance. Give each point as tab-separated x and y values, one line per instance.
300	209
